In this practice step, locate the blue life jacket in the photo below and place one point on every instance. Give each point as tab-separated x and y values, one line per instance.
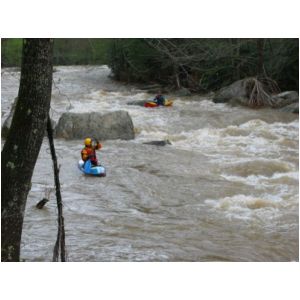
159	99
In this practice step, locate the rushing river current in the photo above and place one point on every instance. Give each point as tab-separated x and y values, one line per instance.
226	189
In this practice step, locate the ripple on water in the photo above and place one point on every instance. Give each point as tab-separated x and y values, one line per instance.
226	189
265	167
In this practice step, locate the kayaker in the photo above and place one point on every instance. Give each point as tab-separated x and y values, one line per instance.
89	151
159	99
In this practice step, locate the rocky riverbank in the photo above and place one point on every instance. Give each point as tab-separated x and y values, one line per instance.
253	93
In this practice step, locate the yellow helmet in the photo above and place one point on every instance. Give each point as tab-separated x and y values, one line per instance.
88	141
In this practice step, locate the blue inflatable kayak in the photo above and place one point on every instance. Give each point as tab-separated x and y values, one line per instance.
89	169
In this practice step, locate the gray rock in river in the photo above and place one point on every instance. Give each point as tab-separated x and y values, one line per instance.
285	98
238	93
159	143
110	126
183	92
238	89
238	101
293	108
137	102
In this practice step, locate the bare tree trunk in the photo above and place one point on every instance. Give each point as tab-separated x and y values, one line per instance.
235	57
238	73
176	75
24	140
260	54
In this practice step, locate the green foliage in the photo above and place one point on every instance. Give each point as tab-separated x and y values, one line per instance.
133	60
66	52
11	52
80	51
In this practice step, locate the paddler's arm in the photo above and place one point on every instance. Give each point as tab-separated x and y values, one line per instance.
98	145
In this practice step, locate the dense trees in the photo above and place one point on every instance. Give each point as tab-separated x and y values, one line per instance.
198	64
80	51
24	140
65	52
205	64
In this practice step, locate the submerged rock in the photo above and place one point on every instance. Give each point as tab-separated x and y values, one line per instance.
110	126
137	102
42	203
159	143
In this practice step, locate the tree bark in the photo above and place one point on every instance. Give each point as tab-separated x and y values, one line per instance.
24	140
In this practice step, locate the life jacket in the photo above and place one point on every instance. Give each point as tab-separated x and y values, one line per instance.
160	100
90	153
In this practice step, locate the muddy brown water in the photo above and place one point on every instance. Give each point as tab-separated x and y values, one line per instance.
226	189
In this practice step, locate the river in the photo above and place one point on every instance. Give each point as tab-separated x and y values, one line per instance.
226	189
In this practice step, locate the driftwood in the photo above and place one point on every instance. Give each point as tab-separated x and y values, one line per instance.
260	91
46	198
42	203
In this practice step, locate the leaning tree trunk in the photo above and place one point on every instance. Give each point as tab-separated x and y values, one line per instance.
24	141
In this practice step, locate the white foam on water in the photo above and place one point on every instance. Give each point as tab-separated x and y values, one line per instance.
257	180
247	207
254	138
204	105
255	162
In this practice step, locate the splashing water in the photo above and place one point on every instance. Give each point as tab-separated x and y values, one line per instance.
226	188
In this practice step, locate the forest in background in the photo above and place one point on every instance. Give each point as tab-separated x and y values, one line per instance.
199	65
65	52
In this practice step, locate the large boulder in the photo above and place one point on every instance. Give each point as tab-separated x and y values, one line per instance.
237	101
110	126
252	92
293	108
183	92
285	98
238	89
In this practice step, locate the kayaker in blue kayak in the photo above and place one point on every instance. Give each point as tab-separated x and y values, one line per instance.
159	99
89	151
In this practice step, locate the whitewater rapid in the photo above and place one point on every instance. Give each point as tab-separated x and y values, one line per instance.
226	189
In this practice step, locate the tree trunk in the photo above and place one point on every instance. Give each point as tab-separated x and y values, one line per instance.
235	57
260	54
238	72
24	140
